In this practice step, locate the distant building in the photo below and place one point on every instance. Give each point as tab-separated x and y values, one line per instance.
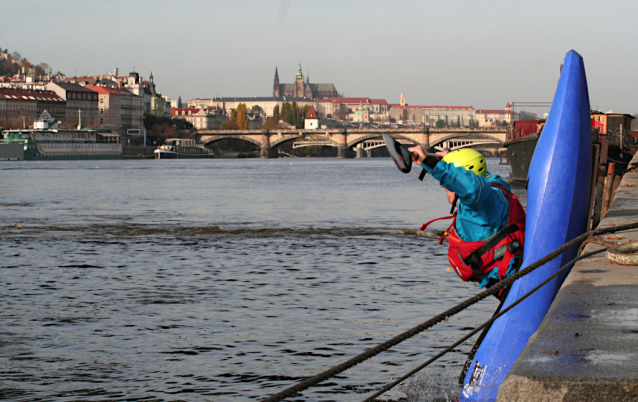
303	88
342	107
612	123
491	118
122	112
461	116
25	106
255	121
267	104
153	101
201	118
25	80
80	101
362	114
312	120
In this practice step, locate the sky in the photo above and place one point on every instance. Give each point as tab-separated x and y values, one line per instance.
459	53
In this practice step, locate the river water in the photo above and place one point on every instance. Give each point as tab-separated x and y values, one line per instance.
223	280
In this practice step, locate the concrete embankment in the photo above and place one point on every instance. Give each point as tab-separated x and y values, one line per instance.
586	348
138	152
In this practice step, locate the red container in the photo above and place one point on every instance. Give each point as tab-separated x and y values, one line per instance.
525	128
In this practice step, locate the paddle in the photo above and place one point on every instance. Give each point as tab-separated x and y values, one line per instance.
401	156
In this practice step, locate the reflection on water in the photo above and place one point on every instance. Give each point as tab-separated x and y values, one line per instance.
222	280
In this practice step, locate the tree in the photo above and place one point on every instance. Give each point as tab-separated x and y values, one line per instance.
42	69
524	115
275	112
270	123
241	117
27	65
182	124
163	131
304	112
329	116
285	112
228	125
294	120
179	102
440	124
166	127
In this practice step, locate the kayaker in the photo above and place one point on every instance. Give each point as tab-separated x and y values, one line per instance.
486	235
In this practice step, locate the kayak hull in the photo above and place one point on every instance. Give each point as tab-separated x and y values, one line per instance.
557	211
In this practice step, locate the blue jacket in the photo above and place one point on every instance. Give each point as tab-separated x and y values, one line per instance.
482	210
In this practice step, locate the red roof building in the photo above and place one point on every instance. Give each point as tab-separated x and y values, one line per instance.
25	105
312	113
200	118
312	119
121	111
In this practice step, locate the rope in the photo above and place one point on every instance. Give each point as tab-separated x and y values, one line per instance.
316	379
476	330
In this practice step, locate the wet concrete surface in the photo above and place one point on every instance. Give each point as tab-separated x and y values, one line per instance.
587	346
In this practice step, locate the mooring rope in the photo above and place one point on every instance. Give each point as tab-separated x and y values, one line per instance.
316	379
479	328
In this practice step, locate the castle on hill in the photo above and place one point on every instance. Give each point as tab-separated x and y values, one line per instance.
302	88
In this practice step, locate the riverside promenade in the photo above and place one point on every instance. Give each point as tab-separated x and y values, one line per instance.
586	348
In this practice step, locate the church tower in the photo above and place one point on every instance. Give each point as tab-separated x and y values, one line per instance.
402	101
275	90
299	83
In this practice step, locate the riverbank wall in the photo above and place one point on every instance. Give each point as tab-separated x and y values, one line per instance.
586	348
138	152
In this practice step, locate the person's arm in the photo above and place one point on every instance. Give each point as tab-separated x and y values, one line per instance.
467	185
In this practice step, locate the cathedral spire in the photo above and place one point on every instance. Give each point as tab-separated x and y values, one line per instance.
275	91
299	73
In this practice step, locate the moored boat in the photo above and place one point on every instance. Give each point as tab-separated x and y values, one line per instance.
622	142
522	137
182	148
46	141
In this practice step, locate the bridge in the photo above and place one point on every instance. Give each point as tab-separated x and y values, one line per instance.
361	139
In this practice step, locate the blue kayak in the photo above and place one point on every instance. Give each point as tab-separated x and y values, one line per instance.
557	211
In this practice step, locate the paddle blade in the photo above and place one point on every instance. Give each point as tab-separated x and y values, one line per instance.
401	156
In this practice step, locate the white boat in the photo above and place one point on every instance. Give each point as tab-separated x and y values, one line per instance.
182	148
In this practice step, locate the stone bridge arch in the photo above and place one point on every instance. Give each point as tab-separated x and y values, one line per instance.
210	139
473	136
276	140
369	136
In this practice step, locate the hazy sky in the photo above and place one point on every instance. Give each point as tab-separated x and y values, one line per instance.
478	53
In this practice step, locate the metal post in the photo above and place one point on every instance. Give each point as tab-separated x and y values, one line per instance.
594	178
600	181
609	182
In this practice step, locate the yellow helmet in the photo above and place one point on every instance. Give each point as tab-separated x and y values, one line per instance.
468	158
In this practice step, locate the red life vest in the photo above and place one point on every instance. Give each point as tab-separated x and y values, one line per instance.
472	259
